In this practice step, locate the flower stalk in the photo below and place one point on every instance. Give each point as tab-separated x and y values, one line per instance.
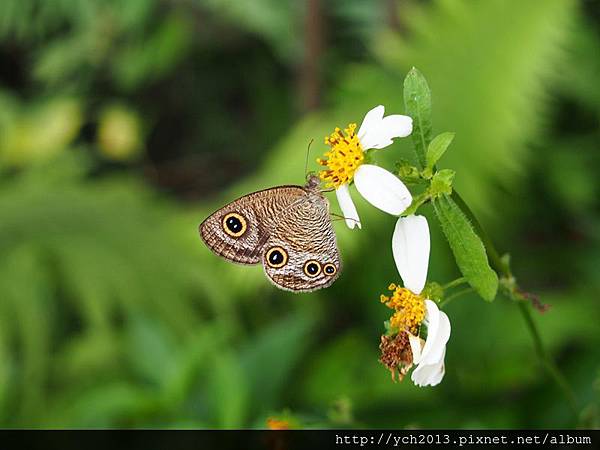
460	293
454	283
512	291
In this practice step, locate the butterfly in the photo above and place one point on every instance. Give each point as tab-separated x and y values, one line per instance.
286	228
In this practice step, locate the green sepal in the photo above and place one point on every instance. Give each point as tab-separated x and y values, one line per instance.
441	183
417	103
408	173
468	249
389	329
433	291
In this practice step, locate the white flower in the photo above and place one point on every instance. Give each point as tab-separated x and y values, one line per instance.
378	186
410	247
430	358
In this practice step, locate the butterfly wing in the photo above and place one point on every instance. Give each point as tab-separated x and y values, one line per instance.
301	254
240	230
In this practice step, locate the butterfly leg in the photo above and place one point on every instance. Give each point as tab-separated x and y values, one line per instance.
340	217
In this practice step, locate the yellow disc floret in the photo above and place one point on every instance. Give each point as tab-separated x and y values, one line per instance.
409	308
343	159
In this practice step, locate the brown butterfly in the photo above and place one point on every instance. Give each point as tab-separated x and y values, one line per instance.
287	228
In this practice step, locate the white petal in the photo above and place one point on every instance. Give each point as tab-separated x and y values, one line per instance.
438	333
429	374
438	348
421	375
410	247
438	375
415	347
347	206
371	121
377	131
382	189
432	319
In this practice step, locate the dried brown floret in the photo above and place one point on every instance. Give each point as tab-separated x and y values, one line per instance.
396	354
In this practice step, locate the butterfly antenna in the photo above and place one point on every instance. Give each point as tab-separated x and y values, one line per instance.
307	156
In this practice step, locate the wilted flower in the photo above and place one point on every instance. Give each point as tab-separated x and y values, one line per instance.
345	160
396	354
404	347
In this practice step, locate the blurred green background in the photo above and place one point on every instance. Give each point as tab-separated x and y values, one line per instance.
124	123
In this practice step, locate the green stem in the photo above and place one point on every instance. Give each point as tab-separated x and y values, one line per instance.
455	295
547	361
502	268
454	283
416	203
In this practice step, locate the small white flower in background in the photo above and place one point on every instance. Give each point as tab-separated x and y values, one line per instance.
344	163
410	247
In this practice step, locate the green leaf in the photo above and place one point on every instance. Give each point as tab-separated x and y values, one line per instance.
438	147
467	247
417	102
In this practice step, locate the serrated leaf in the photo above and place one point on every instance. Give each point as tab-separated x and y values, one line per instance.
467	247
438	147
417	102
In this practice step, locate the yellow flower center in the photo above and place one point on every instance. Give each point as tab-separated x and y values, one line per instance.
343	159
409	307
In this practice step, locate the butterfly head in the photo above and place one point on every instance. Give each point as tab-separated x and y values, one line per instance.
312	181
